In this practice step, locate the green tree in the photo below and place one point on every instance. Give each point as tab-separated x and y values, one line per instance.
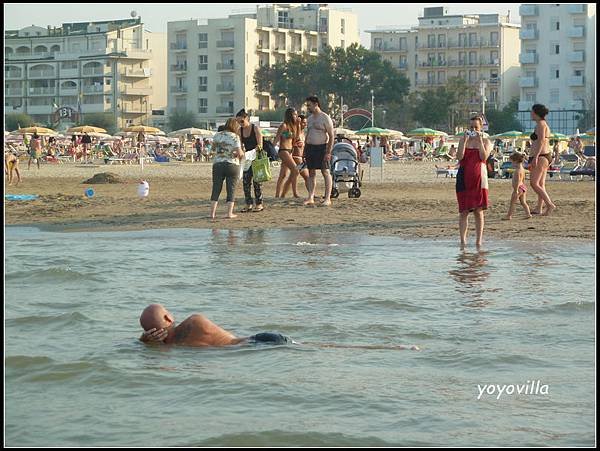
12	121
271	115
106	121
505	119
182	119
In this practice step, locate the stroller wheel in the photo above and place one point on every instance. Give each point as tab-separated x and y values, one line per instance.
335	193
354	193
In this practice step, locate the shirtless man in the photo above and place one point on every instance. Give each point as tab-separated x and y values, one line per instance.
11	164
317	150
197	330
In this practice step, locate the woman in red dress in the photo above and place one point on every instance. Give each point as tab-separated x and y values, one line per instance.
471	179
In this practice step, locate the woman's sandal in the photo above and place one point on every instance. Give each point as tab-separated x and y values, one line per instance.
246	209
258	208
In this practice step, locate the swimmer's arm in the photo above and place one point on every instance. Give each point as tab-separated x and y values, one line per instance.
154	336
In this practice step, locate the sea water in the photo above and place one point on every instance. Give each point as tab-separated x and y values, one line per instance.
514	313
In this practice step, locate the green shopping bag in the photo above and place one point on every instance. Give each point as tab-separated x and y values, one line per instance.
261	167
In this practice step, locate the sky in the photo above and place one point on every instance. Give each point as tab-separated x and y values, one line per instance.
156	15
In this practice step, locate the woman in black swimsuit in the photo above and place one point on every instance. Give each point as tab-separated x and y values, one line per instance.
540	158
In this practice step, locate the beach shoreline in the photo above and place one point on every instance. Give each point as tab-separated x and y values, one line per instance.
411	203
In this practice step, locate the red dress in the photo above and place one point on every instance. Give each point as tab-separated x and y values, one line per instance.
472	182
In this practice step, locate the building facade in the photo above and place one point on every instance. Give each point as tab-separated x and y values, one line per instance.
212	62
558	63
114	67
480	48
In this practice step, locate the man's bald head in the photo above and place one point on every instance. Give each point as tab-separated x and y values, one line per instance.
155	316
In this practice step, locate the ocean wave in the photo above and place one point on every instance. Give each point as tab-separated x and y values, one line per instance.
304	243
66	319
52	274
26	361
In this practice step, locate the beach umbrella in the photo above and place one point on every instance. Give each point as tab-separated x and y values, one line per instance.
267	133
559	137
513	134
192	131
591	131
395	134
343	131
425	132
142	128
32	130
373	131
587	137
86	129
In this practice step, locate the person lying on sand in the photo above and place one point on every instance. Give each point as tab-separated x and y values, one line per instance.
197	330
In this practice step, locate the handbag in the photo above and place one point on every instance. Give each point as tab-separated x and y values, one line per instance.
261	167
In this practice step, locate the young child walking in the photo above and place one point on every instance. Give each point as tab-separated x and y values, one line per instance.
519	188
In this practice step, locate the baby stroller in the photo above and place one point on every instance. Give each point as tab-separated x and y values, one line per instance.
345	169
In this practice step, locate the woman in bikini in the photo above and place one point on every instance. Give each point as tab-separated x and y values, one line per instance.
287	132
298	156
540	159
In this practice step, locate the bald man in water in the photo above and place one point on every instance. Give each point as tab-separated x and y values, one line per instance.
197	330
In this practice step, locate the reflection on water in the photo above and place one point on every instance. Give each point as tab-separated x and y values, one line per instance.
471	276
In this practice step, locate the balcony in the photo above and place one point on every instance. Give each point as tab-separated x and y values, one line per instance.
389	48
224	110
225	44
577	57
143	73
262	48
15	92
69	91
42	91
12	75
528	33
202	66
131	91
93	72
402	65
42	74
97	89
577	9
30	56
577	32
489	62
528	82
133	109
226	88
178	46
202	45
178	67
225	66
40	109
577	80
69	73
280	48
528	10
528	58
178	89
577	104
525	105
313	50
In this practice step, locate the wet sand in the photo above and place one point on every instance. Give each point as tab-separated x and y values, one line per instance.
412	202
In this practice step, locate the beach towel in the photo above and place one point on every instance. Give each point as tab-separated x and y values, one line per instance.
20	196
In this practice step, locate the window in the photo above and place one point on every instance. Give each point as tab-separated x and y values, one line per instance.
441	77
554	48
431	41
202	106
202	62
578	73
530	96
472	76
494	38
554	24
403	44
554	96
343	30
202	84
462	39
554	72
202	40
441	41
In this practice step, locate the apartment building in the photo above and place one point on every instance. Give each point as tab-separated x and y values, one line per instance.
480	48
212	62
558	62
113	67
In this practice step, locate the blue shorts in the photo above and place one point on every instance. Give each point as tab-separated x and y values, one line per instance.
269	338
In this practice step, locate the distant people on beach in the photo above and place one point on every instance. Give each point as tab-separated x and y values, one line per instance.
471	179
199	146
317	149
298	156
540	159
86	142
519	193
251	138
227	148
11	167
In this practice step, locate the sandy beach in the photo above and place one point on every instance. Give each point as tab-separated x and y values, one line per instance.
411	202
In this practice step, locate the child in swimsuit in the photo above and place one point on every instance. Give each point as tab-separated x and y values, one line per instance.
519	188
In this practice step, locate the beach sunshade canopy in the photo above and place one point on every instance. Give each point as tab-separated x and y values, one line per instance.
591	131
425	132
192	131
86	129
587	137
513	134
142	128
32	130
559	137
395	133
266	132
343	131
373	131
